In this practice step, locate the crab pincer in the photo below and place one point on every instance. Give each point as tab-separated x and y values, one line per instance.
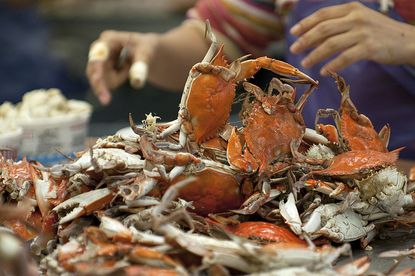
83	204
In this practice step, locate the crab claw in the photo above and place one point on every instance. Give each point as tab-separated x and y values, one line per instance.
82	204
290	214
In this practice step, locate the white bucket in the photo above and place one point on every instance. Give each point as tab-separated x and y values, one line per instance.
44	138
11	141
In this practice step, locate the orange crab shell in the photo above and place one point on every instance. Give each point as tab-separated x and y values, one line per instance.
213	191
266	231
210	101
357	129
355	162
21	230
268	136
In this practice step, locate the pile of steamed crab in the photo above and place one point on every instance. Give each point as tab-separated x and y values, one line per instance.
199	195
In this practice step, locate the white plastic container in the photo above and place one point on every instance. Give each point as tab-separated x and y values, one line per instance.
44	139
10	142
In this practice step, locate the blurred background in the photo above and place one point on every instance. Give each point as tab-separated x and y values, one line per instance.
45	44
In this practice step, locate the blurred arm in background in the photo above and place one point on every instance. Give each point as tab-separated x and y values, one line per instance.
244	28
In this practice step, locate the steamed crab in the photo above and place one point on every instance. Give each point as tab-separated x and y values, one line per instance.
272	125
216	187
381	187
210	90
383	194
16	178
35	192
98	160
355	131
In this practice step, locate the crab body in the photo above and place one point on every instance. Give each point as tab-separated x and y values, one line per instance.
215	189
266	232
355	130
336	224
273	124
333	221
386	190
208	92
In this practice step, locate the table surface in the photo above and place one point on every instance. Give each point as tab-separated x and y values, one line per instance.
378	246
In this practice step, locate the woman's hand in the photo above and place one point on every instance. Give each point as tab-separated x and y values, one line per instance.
353	32
117	56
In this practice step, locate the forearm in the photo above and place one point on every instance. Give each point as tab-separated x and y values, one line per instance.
177	51
410	45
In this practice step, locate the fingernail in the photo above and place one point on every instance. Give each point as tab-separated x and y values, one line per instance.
295	30
323	72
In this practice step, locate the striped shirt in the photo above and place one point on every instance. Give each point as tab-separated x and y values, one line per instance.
253	24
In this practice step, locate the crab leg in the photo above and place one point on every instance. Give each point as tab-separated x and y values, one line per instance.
152	154
177	124
238	156
301	102
251	67
213	49
162	158
330	131
384	134
173	127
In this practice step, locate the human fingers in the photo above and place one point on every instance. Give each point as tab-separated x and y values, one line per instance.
322	15
97	58
346	58
330	47
95	74
320	33
102	56
143	53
